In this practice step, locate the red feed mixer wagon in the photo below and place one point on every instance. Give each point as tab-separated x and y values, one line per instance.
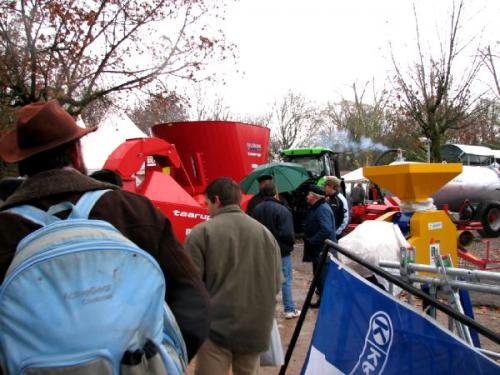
174	167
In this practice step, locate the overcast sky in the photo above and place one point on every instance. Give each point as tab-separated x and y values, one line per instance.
320	47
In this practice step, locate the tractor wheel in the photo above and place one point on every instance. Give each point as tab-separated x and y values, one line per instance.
490	219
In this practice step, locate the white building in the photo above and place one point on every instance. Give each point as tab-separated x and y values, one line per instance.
113	130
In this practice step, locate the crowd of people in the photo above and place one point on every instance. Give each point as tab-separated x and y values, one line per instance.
222	283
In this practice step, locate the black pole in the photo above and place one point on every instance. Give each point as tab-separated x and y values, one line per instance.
305	307
471	323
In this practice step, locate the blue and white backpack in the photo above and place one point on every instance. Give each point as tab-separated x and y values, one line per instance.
80	298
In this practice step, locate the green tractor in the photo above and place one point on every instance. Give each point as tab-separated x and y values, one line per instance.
319	162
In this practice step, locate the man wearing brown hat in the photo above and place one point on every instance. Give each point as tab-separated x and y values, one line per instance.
45	144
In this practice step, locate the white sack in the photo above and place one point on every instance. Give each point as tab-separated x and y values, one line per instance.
373	241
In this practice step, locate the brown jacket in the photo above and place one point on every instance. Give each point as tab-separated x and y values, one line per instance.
240	263
136	218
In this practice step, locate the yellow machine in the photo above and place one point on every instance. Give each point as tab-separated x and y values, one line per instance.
429	231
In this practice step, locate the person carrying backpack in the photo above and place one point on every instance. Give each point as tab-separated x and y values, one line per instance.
337	202
93	263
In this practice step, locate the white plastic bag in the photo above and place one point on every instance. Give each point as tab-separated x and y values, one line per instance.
373	241
274	355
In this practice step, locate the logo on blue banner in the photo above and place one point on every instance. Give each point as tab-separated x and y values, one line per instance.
377	345
364	330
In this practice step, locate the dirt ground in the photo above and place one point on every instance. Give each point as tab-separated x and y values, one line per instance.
486	309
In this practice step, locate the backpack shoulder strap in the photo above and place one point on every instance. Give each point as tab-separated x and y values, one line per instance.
79	211
31	213
38	216
86	203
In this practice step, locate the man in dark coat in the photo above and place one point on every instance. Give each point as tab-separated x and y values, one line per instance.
45	143
257	198
319	225
278	219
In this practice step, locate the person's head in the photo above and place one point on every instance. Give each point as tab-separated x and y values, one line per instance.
315	193
269	189
45	137
107	175
264	180
221	192
332	184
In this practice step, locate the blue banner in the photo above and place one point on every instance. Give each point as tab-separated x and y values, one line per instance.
363	330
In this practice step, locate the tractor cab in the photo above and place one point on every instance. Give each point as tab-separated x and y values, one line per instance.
319	161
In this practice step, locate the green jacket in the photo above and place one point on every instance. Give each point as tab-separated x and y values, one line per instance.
240	262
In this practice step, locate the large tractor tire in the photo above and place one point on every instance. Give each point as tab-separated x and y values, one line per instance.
489	215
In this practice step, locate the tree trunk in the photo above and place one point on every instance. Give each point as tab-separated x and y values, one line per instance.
435	148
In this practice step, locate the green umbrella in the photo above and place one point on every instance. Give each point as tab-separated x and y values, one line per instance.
286	177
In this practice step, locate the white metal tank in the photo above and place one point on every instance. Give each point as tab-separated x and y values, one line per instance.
481	186
477	184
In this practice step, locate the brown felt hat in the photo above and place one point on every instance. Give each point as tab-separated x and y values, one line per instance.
39	127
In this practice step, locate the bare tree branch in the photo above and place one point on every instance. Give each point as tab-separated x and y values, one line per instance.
295	121
489	60
430	93
78	51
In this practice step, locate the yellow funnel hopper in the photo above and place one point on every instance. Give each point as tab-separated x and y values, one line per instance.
412	182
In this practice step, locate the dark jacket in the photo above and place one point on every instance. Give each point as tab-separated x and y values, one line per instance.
136	218
319	225
337	208
253	202
358	195
278	219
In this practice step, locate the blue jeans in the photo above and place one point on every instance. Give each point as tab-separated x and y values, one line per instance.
286	288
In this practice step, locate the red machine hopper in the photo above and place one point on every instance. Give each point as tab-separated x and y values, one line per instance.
174	168
210	149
